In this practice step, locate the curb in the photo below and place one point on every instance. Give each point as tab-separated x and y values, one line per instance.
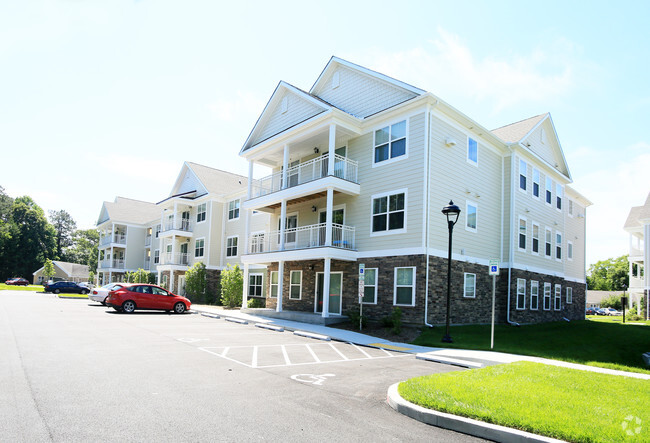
270	327
236	320
312	335
460	424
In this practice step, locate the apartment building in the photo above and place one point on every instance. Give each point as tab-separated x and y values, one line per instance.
638	226
200	221
362	165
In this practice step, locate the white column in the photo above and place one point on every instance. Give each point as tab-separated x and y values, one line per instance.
250	179
244	299
283	222
646	268
175	215
332	147
171	280
328	217
173	246
247	235
159	280
110	277
278	307
285	166
326	288
162	221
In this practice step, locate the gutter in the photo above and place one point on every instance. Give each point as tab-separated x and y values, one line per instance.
512	224
428	214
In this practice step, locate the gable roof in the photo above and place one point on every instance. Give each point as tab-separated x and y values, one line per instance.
218	182
516	132
638	215
72	270
127	210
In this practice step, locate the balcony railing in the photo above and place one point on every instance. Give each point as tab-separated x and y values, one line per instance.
116	238
147	264
116	263
181	225
303	237
344	168
147	240
179	258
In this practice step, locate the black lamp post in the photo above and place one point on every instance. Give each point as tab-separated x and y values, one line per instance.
452	212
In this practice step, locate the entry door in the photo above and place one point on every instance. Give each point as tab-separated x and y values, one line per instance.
185	221
338	216
183	258
181	285
336	286
291	222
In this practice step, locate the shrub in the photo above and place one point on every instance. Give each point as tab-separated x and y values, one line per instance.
256	303
232	286
396	316
355	318
196	282
613	301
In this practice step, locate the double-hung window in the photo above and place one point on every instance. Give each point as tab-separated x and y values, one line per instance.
233	209
522	234
549	187
389	213
535	182
547	243
523	172
201	211
569	250
274	284
569	295
199	247
404	290
558	246
521	293
158	228
547	296
534	295
255	285
535	246
469	289
558	196
156	256
390	142
471	211
231	246
472	151
295	285
370	286
558	297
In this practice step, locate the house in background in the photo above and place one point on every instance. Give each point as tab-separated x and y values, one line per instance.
64	271
362	165
638	226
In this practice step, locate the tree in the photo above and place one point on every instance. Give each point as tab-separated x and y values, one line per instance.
609	275
196	283
83	249
232	286
7	231
139	276
65	226
48	269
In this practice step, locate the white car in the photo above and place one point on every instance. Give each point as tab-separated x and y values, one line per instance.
100	294
612	311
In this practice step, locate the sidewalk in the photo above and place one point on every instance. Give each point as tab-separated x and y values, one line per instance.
458	357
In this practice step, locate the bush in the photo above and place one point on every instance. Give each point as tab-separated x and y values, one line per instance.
232	286
196	283
355	318
139	276
613	301
397	321
256	303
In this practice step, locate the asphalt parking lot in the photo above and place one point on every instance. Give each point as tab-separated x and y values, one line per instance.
74	370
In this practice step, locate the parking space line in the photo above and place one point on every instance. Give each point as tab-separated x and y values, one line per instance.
286	356
254	362
361	350
224	352
313	354
388	353
338	352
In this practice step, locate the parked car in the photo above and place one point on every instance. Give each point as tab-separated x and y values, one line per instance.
87	284
132	296
612	311
66	286
601	311
590	311
17	281
100	294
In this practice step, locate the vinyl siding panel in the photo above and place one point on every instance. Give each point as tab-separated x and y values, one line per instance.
548	149
190	183
575	232
134	254
216	242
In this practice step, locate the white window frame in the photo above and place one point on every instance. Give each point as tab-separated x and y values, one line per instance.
569	295
570	207
569	250
395	286
525	234
557	299
536	181
523	166
261	285
548	191
534	295
521	294
230	247
276	284
376	271
469	159
158	229
533	238
390	160
548	240
388	195
202	247
469	276
558	246
547	296
203	212
559	195
292	284
156	256
469	203
231	210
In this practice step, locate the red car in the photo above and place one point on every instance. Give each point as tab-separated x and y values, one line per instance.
134	296
17	282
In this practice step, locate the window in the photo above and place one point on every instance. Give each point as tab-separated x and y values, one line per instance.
274	284
558	196
549	186
472	151
156	256
469	290
390	142
522	175
200	212
535	182
404	291
547	249
471	210
370	286
199	245
521	293
558	298
388	213
569	295
158	228
535	238
569	250
231	246
295	286
522	234
255	285
233	210
570	208
558	246
547	296
534	295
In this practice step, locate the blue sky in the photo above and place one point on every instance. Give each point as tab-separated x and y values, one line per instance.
100	99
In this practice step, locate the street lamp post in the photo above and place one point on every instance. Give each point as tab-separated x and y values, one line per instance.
452	212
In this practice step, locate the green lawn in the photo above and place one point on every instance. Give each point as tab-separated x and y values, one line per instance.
595	343
615	319
21	288
557	402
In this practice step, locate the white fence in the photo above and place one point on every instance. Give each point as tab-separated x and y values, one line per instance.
311	236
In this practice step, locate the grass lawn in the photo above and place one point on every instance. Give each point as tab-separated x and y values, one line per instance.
615	319
72	295
594	343
21	288
562	403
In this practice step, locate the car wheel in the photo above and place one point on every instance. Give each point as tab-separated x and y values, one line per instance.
85	291
179	308
104	301
56	291
128	306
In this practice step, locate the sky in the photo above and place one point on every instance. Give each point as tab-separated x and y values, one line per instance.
100	99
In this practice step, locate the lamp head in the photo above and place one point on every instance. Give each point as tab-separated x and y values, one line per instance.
452	212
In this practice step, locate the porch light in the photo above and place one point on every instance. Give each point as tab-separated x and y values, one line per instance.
452	212
316	151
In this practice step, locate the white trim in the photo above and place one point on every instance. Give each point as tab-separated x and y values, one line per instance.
204	248
539	184
391	160
239	208
556	246
550	297
547	189
550	242
376	285
197	212
560	196
256	274
569	299
373	197
532	239
291	284
569	250
519	248
521	160
465	285
237	246
522	294
413	286
475	205
534	284
557	295
470	161
271	284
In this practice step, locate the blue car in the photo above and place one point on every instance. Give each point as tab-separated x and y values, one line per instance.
66	286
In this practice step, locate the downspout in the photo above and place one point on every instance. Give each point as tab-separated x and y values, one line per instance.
426	208
512	224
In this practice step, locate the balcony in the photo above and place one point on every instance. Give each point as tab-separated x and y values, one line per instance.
303	237
179	258
147	240
147	264
306	172
180	227
114	264
120	239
